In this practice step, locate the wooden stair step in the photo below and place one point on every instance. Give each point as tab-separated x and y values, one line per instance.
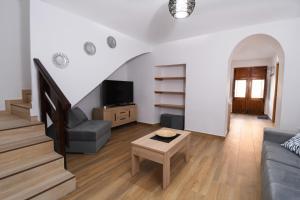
26	96
9	121
22	105
26	142
28	155
34	182
19	134
59	191
11	167
21	109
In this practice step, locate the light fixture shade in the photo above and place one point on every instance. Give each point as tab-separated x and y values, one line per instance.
181	8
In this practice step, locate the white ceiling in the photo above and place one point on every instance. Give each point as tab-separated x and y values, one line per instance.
150	21
256	47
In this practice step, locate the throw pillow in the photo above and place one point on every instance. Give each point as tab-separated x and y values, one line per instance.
293	144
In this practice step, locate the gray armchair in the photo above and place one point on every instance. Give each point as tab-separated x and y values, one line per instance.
86	136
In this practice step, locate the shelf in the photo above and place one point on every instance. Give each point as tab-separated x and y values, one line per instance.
170	78
175	65
169	92
170	106
177	74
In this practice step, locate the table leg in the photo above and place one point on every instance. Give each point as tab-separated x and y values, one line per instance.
135	164
166	173
187	149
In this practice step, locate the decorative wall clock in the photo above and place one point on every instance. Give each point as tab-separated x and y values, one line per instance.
90	48
111	42
60	60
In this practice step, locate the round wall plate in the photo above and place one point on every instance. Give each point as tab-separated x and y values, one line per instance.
60	60
111	42
90	48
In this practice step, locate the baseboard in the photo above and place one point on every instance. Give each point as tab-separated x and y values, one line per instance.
206	134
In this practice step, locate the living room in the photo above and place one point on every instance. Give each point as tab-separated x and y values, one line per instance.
215	78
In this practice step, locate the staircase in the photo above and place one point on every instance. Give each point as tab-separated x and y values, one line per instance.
29	166
21	107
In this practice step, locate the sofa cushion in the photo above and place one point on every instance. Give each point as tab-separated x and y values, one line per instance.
273	151
75	117
276	191
293	144
90	130
276	172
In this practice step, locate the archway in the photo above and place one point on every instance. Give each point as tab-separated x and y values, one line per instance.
261	50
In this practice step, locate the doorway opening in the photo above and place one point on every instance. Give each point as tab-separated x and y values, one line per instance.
249	90
256	73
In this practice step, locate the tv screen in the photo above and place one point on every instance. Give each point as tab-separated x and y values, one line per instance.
117	92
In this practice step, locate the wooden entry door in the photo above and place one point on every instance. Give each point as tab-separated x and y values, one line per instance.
249	90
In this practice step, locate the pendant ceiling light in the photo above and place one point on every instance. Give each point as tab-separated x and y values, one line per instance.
181	8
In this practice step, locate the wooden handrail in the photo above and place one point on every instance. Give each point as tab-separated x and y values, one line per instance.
54	103
52	83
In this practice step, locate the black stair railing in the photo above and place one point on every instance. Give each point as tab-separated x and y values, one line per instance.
54	103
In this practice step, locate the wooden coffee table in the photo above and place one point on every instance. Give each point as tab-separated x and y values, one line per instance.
159	152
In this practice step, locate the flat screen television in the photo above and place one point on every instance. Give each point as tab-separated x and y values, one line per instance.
115	93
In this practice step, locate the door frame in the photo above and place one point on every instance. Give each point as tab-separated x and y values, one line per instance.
275	94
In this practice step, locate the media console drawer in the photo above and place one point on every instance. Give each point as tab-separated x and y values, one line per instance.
117	115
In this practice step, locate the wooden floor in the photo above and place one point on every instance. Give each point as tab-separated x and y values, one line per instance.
219	168
8	121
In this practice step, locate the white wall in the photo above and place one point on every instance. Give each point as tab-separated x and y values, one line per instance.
141	71
208	74
55	30
14	49
120	74
93	99
252	62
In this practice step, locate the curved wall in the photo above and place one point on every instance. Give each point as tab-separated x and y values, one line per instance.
56	30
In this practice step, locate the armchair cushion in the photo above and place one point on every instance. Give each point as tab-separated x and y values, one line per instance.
75	117
90	130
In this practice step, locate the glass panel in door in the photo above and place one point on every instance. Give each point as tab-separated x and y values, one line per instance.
240	88
258	89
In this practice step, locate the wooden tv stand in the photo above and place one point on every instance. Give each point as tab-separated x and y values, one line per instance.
119	115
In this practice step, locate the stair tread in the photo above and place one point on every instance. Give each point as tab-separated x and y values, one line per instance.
20	165
36	185
22	105
12	135
9	121
24	143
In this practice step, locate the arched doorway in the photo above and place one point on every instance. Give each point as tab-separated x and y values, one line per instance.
256	73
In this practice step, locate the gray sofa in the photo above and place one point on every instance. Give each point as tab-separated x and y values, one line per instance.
280	167
86	136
